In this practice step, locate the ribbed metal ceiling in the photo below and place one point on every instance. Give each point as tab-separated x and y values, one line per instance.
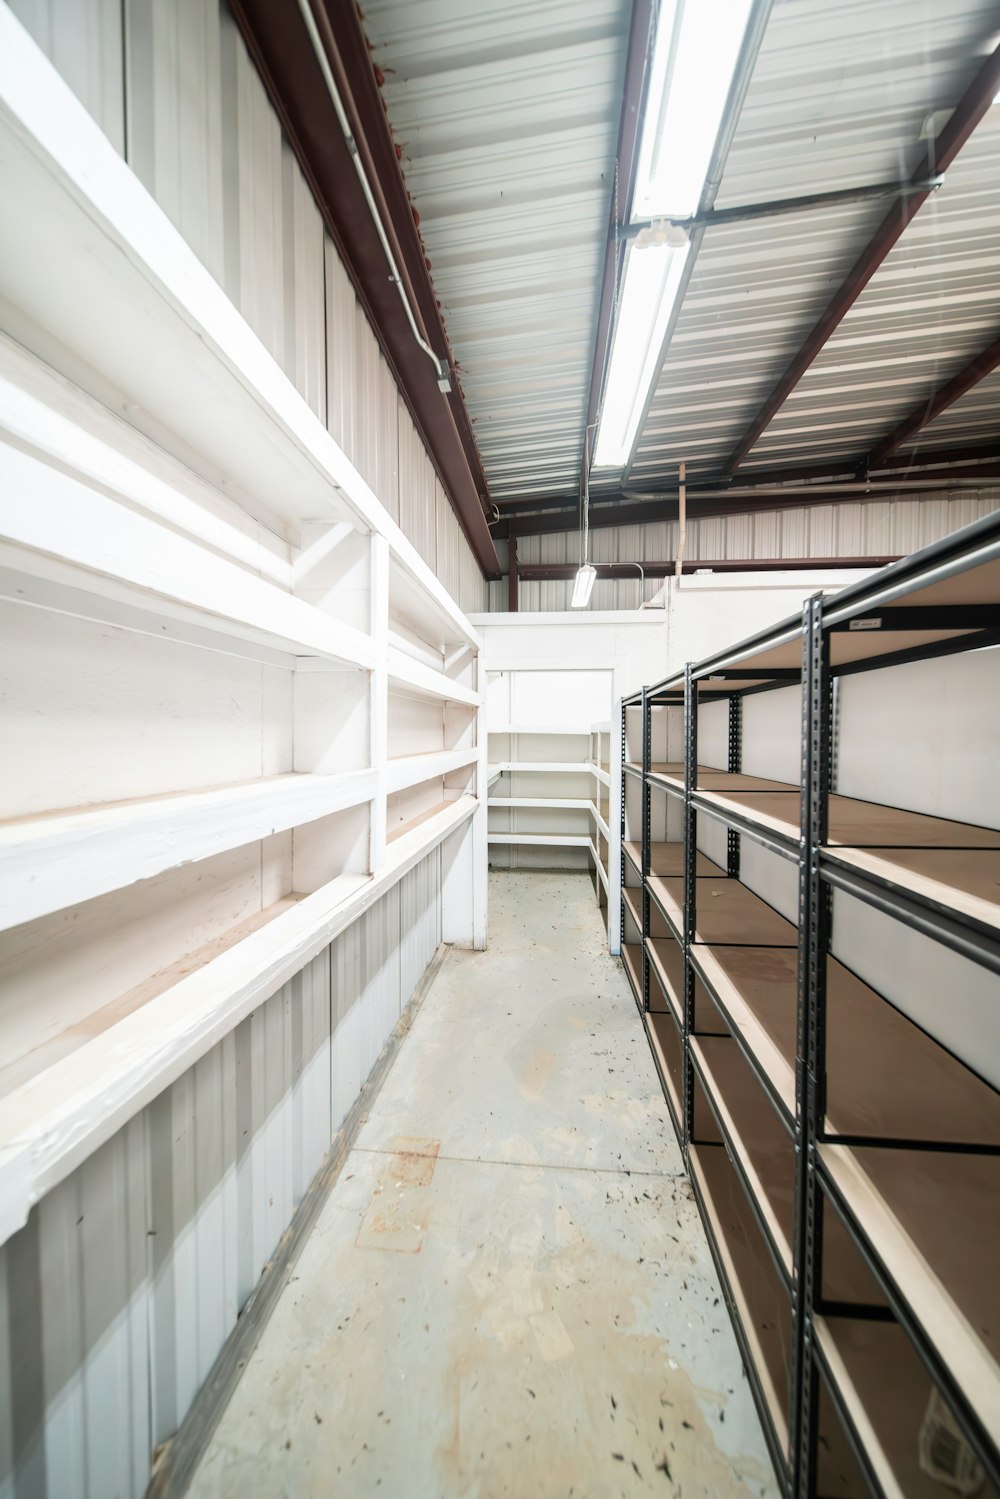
507	115
843	95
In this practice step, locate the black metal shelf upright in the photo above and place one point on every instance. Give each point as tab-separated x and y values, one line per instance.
872	1286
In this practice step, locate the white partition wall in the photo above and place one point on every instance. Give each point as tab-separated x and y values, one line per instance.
241	803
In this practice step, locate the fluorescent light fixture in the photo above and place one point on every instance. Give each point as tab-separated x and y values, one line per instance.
694	59
583	586
695	53
650	285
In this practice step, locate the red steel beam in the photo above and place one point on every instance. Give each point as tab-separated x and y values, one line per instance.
279	45
512	574
549	572
958	386
938	157
699	506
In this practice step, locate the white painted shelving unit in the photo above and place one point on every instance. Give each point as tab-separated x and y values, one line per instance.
244	709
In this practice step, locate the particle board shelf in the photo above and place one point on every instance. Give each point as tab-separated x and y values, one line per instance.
883	1389
667	859
726	912
932	1219
954	863
666	958
632	901
665	1044
752	1282
60	859
932	1096
632	961
756	1137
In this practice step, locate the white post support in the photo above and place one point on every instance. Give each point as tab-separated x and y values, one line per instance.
614	828
379	694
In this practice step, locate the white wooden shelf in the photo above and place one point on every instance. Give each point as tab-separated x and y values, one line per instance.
551	840
52	1123
48	863
538	729
566	803
550	767
415	676
58	530
96	258
411	770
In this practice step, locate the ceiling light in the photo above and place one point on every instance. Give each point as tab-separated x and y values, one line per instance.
583	586
649	290
695	53
694	59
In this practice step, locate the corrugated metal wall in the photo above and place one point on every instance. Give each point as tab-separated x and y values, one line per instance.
174	89
870	528
118	1294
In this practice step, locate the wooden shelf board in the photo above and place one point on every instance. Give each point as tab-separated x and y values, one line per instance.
754	1284
544	840
559	803
665	1042
955	863
667	859
404	771
885	1077
727	912
632	959
884	1388
53	1050
755	1133
59	859
414	676
667	959
933	1218
412	823
967	879
632	901
724	780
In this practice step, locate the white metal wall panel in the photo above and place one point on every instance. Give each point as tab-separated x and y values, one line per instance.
174	111
261	228
868	528
118	1294
305	296
84	40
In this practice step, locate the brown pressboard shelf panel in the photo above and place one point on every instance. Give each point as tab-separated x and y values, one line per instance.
632	958
884	1388
667	959
632	901
846	648
933	1219
755	1132
885	1076
665	1040
726	912
668	859
754	1283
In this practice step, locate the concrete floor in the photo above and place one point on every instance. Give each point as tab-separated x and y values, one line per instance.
508	1290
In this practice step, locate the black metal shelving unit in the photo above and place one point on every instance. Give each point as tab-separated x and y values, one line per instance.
846	1164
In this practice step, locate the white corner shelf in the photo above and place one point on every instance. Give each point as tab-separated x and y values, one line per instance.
61	859
53	1122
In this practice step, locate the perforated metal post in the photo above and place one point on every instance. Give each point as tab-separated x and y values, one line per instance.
690	885
810	1062
735	759
621	829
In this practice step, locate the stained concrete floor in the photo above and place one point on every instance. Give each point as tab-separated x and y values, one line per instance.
508	1291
